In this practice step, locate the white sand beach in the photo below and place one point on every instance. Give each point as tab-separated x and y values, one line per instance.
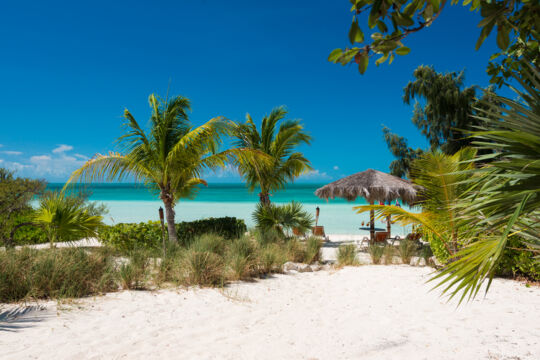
367	312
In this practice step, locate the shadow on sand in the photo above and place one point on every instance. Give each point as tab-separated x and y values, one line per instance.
22	317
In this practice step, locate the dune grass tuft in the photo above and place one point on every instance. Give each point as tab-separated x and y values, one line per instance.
346	255
376	252
55	273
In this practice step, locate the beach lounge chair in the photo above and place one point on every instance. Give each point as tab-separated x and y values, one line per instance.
381	236
299	234
319	231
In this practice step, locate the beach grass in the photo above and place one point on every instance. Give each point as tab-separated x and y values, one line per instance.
346	255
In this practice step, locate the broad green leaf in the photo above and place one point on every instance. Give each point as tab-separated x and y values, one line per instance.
503	37
381	59
403	50
355	33
382	26
335	55
363	61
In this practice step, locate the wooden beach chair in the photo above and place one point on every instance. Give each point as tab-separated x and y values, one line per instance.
319	231
381	236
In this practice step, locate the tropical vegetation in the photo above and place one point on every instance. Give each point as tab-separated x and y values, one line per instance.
171	157
279	144
283	219
391	22
67	218
15	208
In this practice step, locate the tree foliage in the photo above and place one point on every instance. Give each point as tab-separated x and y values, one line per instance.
279	144
171	157
15	196
402	152
390	22
504	202
440	178
67	218
442	112
282	218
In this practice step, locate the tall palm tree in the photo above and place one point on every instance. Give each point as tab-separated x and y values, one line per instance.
279	144
170	158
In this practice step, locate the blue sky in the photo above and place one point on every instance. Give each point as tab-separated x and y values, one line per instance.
69	69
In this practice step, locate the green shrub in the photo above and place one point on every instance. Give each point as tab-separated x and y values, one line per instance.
376	252
267	236
388	254
241	258
134	272
128	236
346	255
296	251
170	268
55	273
227	227
406	250
202	268
271	258
313	250
209	242
517	260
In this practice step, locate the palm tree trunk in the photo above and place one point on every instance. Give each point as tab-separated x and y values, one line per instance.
264	198
169	216
371	224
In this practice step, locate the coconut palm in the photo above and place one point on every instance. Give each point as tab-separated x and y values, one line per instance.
505	201
279	144
440	179
170	158
67	218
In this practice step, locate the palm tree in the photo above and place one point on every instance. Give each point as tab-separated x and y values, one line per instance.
440	178
279	144
170	158
282	218
67	218
505	201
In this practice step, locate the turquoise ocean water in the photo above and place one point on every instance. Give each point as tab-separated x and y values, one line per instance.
135	203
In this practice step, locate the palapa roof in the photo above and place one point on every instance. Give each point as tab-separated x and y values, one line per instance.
372	185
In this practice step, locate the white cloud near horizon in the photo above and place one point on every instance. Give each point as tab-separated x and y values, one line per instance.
11	152
315	175
336	167
62	148
55	166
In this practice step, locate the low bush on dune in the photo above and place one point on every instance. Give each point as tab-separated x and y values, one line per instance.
346	255
55	273
129	236
209	242
134	272
296	251
202	268
313	250
241	259
388	254
376	253
271	258
406	250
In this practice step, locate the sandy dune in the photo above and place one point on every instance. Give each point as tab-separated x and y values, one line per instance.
369	312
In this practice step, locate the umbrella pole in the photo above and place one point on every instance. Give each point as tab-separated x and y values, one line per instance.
388	225
371	223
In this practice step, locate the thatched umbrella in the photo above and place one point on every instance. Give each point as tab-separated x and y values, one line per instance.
372	185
